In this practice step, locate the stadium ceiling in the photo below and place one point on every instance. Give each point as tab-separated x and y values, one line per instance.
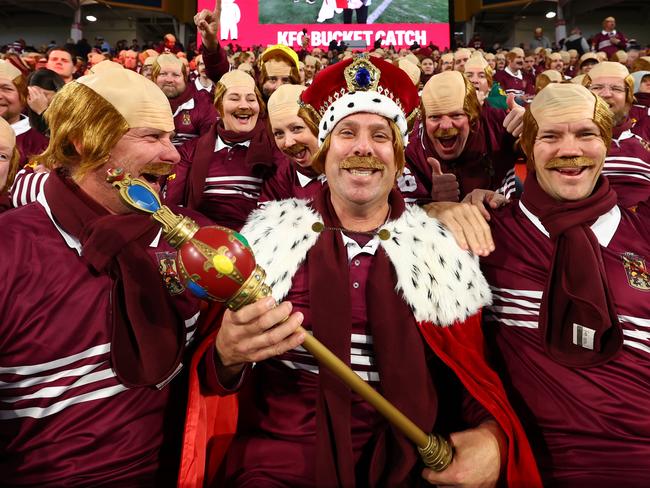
523	9
66	9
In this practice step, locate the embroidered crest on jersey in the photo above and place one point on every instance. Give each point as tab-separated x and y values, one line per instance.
638	275
187	120
169	272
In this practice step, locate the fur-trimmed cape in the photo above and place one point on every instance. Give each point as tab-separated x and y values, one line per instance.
440	282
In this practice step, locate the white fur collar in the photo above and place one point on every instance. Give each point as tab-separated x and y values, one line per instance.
440	282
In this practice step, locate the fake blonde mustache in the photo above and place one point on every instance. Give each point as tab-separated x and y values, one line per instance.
446	133
295	149
159	169
575	162
362	162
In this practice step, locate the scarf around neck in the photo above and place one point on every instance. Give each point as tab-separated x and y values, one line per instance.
147	335
578	321
399	353
259	155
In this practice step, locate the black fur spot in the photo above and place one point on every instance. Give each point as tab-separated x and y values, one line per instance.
332	118
324	125
376	100
351	104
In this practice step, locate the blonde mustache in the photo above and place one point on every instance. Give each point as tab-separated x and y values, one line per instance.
295	149
446	133
575	162
362	162
158	169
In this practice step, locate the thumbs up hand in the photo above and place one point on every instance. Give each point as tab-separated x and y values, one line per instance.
514	121
444	186
207	24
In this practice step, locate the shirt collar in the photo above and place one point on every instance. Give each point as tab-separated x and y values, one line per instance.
604	228
199	86
516	75
354	249
21	126
189	105
220	144
612	33
71	240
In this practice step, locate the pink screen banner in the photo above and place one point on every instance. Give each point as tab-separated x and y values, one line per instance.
400	23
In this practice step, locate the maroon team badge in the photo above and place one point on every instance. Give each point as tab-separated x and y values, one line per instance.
636	270
187	120
169	273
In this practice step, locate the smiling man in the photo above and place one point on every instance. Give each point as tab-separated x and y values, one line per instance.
570	281
460	145
627	165
13	102
94	339
192	109
337	262
513	79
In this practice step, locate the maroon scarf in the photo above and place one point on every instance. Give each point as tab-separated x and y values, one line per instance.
399	352
577	291
147	335
259	155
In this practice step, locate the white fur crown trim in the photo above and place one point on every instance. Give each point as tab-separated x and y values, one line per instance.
361	101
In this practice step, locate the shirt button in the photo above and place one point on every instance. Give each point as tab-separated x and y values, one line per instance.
355	284
357	262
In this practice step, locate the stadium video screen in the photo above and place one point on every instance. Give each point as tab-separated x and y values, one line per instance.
359	23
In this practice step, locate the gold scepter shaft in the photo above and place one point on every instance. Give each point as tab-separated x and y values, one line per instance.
435	450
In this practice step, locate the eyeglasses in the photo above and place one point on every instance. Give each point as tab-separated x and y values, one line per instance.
611	88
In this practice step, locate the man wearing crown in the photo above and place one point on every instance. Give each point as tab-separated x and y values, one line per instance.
389	292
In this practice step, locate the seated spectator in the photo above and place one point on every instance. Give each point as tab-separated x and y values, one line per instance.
9	158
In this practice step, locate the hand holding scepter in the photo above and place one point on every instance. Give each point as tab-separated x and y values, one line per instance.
217	264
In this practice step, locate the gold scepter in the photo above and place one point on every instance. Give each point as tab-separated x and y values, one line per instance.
217	264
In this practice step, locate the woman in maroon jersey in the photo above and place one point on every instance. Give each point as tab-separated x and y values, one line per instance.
221	173
8	162
296	135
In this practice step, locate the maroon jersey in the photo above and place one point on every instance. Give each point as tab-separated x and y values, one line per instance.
587	426
277	417
484	163
232	187
29	141
65	419
290	182
642	100
194	117
603	42
518	83
627	167
199	87
26	186
640	117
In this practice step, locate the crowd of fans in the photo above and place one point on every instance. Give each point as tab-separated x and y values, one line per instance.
230	130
